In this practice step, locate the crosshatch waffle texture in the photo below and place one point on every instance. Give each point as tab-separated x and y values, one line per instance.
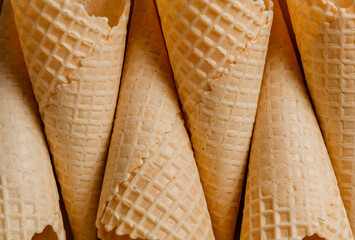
74	62
217	52
29	198
291	188
152	188
325	33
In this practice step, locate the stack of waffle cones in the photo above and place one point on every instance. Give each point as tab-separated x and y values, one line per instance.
29	202
217	52
152	188
74	61
74	50
325	32
291	188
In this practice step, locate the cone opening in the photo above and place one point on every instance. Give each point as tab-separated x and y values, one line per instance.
112	10
47	234
313	237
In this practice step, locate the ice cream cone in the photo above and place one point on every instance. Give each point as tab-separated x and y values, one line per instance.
152	189
217	52
74	62
29	201
325	33
291	188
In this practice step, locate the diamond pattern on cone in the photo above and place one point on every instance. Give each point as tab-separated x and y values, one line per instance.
152	188
74	62
29	201
325	33
291	188
217	52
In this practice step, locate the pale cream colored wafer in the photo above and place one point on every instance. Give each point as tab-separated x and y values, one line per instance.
325	33
291	188
217	52
74	62
152	188
29	201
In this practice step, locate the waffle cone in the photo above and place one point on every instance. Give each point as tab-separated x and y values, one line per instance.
29	201
74	62
152	188
325	36
291	187
217	53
